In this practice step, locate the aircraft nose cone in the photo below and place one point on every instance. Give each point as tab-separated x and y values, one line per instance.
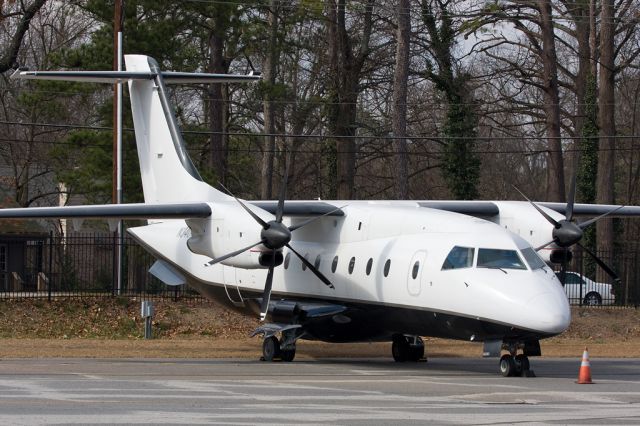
551	311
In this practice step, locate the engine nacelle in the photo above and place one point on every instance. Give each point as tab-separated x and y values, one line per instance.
230	228
560	256
284	311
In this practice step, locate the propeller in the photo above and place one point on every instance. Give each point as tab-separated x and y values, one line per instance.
275	236
567	233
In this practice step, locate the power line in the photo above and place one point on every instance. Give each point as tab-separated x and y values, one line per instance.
248	150
323	136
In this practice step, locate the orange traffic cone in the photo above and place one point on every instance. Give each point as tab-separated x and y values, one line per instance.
584	377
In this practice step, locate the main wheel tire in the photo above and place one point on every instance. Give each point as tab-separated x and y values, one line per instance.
400	349
507	366
288	355
522	364
593	299
270	348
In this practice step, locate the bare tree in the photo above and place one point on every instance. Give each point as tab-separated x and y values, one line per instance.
399	113
23	12
347	61
269	79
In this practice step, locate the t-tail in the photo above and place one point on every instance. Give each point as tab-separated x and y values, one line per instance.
168	174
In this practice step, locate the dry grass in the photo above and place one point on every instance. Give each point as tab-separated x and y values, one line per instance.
112	328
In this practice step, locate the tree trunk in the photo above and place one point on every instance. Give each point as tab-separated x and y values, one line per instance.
345	80
399	114
217	159
269	79
606	109
551	103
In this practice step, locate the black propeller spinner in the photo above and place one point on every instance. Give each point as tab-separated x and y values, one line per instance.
275	236
567	233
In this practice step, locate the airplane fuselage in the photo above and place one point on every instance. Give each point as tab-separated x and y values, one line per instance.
386	264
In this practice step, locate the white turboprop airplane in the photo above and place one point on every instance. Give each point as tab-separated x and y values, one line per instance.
339	271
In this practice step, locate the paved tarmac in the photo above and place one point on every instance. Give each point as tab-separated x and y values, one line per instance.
335	391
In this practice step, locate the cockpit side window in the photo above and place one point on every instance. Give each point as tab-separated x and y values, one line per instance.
459	257
500	259
533	259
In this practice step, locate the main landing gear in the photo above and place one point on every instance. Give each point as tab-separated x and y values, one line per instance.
280	349
407	348
272	350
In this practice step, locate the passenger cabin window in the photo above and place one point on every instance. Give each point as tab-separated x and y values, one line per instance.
352	264
533	259
304	265
458	258
317	262
287	259
416	268
334	264
387	266
499	259
369	265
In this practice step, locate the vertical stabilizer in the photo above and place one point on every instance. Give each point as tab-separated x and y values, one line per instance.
168	175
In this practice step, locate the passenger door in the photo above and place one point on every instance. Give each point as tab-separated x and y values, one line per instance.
414	274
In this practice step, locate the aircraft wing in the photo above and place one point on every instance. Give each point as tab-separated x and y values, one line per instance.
161	211
114	211
472	208
301	208
595	209
490	208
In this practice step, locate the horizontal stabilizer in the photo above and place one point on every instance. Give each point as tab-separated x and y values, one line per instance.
167	274
124	76
121	211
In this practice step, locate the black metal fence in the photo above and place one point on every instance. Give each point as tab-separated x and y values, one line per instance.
79	265
85	264
588	284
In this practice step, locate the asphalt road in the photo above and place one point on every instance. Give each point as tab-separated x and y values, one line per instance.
337	391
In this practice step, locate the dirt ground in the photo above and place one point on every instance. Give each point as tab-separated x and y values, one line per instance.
112	328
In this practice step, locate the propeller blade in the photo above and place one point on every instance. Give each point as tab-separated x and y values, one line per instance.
584	225
542	212
266	295
313	219
257	218
283	191
603	265
232	254
312	268
544	245
572	199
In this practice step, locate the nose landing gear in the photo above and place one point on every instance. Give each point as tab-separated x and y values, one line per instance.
518	365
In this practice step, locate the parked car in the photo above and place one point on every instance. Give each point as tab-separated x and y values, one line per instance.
578	286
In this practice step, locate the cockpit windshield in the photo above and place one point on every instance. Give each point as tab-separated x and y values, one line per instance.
533	259
459	257
499	259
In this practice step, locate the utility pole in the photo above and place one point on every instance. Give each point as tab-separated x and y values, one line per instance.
117	135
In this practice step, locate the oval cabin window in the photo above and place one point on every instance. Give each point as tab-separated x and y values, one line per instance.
334	264
416	268
387	266
352	264
369	265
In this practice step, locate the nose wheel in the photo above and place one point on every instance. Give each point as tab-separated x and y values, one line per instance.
512	366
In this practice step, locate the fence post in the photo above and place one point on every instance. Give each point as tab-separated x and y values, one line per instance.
50	282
